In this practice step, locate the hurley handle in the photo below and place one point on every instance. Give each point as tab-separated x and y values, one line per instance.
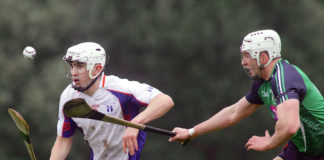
159	131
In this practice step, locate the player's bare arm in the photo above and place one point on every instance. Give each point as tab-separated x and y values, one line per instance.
286	126
61	148
158	106
225	118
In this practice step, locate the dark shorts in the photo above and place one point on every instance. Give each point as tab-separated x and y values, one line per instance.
291	153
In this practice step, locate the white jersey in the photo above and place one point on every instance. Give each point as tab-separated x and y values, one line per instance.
115	97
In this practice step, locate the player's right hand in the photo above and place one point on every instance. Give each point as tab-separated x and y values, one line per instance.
182	134
130	140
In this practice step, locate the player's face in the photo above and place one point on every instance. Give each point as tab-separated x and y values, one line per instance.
250	65
79	74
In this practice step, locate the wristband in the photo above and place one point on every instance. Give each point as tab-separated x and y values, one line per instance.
191	131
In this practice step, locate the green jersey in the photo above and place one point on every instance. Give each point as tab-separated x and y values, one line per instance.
289	82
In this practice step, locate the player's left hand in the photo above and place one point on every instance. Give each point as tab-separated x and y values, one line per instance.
130	140
182	134
258	143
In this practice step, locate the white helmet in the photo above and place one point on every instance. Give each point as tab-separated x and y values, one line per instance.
88	52
264	40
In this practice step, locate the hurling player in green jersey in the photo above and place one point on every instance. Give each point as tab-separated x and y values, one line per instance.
290	96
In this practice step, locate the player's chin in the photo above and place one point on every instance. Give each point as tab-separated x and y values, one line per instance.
253	75
77	83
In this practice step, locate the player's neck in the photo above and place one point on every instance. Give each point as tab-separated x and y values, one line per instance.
266	72
93	88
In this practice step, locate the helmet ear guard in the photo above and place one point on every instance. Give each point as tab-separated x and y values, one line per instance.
91	67
264	40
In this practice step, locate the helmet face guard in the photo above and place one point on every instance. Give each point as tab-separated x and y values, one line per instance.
264	40
89	53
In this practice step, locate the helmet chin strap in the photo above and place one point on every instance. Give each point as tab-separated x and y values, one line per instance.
82	89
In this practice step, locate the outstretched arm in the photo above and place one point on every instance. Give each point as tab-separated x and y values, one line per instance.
61	148
287	125
158	106
225	118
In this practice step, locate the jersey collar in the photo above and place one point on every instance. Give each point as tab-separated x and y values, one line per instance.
275	67
102	80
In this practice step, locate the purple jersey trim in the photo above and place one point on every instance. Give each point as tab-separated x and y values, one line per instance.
252	96
130	107
141	141
287	83
69	127
291	152
91	152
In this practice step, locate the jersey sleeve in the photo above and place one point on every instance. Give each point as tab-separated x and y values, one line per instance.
287	83
141	91
65	126
252	96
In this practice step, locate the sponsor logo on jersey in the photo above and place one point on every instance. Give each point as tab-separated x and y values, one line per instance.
274	111
110	108
265	94
149	89
95	106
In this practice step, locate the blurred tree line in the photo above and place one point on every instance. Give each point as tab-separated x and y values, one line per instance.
188	49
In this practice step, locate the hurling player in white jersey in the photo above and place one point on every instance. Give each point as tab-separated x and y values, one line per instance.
112	96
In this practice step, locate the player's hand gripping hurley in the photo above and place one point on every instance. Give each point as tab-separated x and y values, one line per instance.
80	109
24	129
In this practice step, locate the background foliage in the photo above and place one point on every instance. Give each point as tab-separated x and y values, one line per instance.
188	49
